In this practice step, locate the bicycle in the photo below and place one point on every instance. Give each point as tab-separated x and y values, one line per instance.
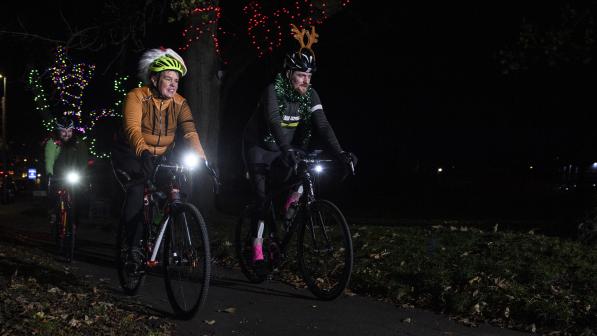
175	226
324	244
64	228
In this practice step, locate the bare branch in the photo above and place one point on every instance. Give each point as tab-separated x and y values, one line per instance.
32	36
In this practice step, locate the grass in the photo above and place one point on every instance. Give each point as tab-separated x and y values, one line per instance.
522	281
43	297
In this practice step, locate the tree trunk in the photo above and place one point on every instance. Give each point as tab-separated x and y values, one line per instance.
201	88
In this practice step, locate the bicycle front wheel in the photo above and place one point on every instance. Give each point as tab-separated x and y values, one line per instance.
64	231
187	261
70	235
324	249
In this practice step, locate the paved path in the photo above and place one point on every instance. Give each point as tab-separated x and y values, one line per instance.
237	307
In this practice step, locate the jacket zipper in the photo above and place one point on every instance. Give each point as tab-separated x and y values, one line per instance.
160	126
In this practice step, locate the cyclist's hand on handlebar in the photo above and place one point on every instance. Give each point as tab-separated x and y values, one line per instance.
349	160
214	177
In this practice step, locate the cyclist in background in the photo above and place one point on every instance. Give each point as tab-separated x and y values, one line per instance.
64	150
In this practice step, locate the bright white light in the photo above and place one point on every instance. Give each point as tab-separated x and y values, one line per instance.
594	165
191	160
440	169
531	167
318	168
73	177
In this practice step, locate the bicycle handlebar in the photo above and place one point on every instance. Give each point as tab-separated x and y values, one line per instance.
176	168
308	159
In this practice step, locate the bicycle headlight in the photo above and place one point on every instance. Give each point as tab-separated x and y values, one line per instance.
318	168
73	177
190	160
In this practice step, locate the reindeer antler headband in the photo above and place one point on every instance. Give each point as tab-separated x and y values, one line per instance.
299	35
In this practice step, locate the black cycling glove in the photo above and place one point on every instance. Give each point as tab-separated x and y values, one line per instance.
347	158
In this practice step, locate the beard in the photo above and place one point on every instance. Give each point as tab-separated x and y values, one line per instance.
301	89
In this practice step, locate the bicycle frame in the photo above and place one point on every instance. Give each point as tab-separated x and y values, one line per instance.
173	197
305	178
64	204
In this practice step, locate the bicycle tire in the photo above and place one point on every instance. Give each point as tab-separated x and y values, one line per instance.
324	249
130	282
243	238
186	260
60	229
70	234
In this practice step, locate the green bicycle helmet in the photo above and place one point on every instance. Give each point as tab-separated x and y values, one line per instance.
167	62
158	60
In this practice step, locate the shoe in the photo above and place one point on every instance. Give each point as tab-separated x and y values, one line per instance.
274	255
257	250
260	268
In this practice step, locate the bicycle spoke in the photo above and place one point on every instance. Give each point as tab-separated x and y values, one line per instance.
325	250
187	261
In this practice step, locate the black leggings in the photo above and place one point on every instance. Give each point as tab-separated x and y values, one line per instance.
132	210
266	170
131	215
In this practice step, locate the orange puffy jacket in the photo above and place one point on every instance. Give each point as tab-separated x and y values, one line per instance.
151	123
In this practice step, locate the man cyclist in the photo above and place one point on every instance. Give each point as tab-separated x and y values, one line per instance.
287	111
63	151
152	115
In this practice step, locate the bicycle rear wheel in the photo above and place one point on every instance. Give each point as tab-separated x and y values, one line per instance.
129	275
324	249
187	261
244	247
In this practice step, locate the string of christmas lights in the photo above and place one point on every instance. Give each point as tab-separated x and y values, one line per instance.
39	96
70	80
209	16
95	117
120	90
267	22
268	27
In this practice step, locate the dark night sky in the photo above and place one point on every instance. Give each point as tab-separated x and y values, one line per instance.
417	83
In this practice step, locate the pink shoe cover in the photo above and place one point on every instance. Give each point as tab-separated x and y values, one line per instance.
257	252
